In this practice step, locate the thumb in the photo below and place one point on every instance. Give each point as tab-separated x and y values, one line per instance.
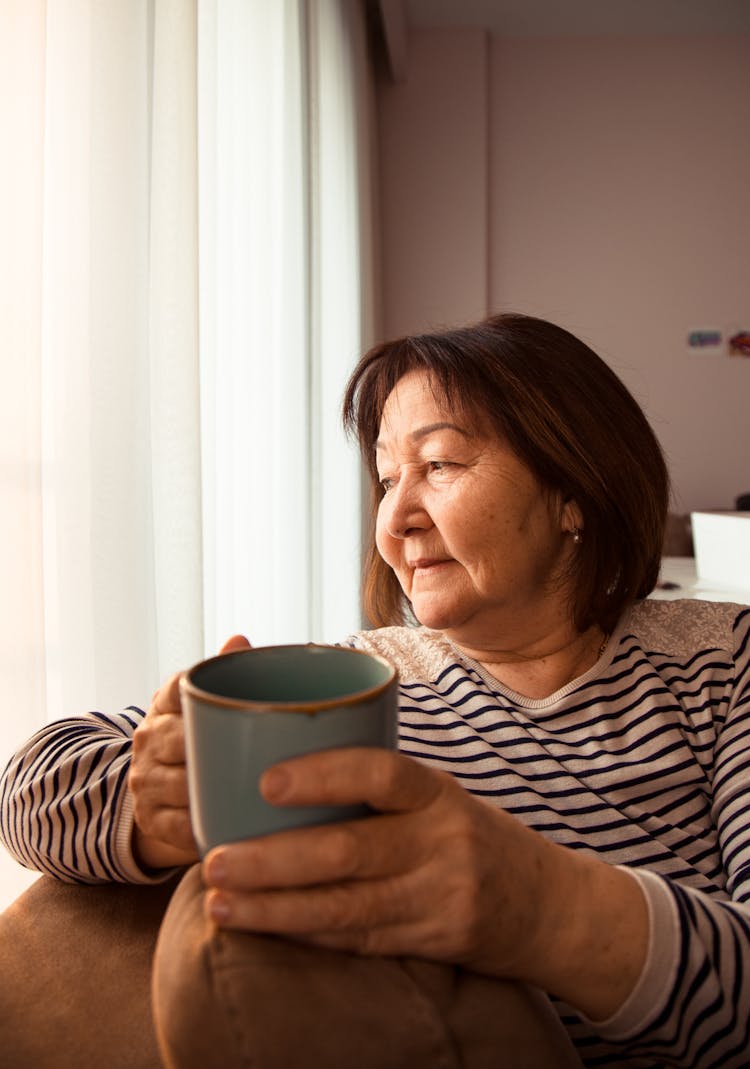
236	642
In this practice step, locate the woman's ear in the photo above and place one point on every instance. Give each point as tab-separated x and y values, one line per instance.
571	517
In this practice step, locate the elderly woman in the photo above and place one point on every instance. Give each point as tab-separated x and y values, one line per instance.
568	806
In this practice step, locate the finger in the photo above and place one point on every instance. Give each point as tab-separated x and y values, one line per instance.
173	826
160	739
412	939
354	907
383	779
167	697
155	854
160	785
170	825
377	846
236	642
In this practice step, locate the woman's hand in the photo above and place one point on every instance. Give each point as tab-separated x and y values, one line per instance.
437	874
162	834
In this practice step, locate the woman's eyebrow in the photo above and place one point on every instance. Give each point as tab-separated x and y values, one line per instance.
430	428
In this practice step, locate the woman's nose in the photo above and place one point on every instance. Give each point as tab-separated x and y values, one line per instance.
404	509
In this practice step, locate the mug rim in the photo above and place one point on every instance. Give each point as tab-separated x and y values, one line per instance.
257	705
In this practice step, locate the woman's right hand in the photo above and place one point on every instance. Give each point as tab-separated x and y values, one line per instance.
162	832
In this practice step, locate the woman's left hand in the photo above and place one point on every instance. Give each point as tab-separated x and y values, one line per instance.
435	873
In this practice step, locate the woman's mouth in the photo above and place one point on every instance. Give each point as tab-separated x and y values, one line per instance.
427	565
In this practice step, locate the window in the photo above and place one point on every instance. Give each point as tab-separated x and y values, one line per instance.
185	290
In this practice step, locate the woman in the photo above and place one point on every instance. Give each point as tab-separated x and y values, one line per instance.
568	807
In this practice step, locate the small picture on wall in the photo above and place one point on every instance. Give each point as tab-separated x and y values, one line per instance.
704	340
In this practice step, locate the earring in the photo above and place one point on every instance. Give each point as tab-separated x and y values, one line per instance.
577	536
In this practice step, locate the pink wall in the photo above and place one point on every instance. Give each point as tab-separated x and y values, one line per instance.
433	178
615	199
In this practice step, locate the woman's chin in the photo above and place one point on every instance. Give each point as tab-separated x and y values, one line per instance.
431	613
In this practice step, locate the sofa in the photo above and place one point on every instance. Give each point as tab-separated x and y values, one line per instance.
134	977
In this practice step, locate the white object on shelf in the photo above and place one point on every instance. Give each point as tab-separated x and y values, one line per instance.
679	580
722	547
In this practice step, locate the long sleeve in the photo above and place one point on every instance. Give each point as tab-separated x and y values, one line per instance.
692	1004
690	1007
65	807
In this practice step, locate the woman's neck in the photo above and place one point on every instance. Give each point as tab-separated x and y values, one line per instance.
544	666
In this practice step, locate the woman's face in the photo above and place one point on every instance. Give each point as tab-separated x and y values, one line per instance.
476	542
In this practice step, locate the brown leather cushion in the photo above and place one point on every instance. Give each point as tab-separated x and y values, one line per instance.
236	999
75	967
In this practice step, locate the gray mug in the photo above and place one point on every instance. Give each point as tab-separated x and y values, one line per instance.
248	709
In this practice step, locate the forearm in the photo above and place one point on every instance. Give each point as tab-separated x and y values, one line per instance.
65	805
657	970
590	932
581	927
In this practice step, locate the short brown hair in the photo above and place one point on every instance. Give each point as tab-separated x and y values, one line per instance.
566	415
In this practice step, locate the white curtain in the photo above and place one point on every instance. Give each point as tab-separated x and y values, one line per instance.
283	209
184	288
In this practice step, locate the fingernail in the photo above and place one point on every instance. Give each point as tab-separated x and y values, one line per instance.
218	909
215	870
274	784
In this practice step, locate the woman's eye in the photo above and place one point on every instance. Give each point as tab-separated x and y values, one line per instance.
386	484
439	465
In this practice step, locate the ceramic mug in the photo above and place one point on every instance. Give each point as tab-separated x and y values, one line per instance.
248	709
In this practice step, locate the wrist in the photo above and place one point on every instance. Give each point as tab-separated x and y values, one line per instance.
590	945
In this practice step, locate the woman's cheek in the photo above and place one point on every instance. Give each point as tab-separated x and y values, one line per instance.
383	542
390	549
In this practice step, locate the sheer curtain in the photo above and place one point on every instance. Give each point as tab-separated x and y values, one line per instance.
184	288
284	312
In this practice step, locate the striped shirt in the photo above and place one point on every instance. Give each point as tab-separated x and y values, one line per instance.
643	761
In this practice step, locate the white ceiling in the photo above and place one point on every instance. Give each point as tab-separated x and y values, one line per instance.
522	18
